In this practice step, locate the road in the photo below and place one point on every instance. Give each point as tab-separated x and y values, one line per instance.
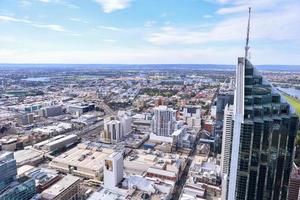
180	184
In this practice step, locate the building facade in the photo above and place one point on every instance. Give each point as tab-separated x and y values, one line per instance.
263	138
65	189
294	184
8	169
226	147
113	170
164	120
10	187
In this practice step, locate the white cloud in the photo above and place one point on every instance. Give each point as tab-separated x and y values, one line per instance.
110	28
53	27
25	3
7	39
232	10
276	26
61	2
13	19
109	6
240	6
223	1
150	23
74	19
45	1
207	16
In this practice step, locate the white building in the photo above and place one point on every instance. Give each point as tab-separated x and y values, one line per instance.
163	121
112	131
116	128
126	122
226	146
227	138
192	116
113	170
192	111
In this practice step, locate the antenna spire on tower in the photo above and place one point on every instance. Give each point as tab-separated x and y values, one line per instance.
248	33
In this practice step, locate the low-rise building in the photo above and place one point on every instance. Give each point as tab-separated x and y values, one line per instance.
57	143
43	177
65	189
54	129
84	160
28	156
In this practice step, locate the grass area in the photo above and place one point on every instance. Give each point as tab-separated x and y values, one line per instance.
294	102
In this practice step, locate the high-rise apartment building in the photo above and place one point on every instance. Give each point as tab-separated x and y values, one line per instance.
112	131
264	131
116	128
164	120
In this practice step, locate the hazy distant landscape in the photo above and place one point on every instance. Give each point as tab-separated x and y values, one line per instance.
289	68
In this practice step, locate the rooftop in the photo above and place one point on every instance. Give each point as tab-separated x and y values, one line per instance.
60	186
80	156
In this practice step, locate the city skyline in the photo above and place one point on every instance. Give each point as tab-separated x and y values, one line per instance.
143	32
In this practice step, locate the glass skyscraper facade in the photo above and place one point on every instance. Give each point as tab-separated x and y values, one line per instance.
25	190
10	187
8	169
264	133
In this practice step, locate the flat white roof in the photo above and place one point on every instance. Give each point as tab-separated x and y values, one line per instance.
60	186
93	160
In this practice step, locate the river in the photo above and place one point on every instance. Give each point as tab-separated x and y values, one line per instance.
291	91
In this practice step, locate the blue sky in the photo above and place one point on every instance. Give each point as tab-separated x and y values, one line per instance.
148	31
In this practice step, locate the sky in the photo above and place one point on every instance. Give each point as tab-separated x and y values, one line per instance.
148	31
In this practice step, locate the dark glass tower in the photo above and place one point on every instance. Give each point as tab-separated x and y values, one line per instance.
265	128
264	131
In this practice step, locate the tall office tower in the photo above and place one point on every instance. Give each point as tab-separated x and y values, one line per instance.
8	169
263	137
163	121
226	147
113	170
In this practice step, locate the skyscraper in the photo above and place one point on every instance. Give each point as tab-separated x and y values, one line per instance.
227	138
226	147
164	120
8	169
10	187
263	137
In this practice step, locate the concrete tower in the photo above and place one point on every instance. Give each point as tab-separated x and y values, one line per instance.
113	170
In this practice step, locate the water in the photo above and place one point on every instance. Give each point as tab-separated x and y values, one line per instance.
37	79
291	91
